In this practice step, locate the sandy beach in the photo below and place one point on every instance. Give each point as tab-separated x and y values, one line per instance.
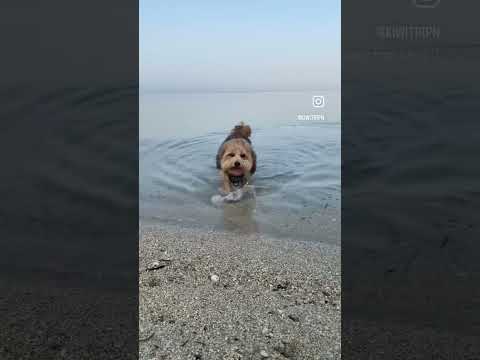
219	295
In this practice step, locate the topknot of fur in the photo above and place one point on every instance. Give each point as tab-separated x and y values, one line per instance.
243	130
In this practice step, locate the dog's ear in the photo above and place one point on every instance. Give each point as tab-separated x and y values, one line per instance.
220	152
254	162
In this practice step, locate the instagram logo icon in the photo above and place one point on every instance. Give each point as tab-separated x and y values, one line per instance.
318	101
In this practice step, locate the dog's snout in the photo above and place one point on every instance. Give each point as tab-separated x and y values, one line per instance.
237	164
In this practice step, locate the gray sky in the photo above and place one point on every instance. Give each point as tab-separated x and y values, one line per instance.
242	45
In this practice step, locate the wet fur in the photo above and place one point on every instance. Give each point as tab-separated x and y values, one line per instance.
237	147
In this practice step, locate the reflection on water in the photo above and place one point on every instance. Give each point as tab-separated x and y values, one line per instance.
240	215
297	181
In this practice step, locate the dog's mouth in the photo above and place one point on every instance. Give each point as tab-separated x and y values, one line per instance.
237	181
236	177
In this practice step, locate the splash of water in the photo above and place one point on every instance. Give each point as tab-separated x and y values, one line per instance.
234	196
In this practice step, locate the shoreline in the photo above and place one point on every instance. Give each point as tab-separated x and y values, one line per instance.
219	295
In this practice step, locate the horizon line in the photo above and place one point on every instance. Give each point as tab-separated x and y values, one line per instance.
216	91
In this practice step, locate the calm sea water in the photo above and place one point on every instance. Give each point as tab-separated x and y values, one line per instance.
298	172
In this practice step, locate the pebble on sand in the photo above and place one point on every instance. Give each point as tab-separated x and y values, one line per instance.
214	278
158	264
264	354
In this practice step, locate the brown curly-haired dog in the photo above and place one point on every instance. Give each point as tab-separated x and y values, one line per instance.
236	159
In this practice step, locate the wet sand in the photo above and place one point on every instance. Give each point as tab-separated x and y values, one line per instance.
219	295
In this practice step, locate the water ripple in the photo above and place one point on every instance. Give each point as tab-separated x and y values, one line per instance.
298	172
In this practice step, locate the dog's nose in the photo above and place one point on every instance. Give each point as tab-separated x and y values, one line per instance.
237	164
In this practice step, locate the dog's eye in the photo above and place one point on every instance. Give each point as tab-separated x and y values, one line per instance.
243	156
231	154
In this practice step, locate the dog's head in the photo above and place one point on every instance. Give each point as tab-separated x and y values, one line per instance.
237	160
